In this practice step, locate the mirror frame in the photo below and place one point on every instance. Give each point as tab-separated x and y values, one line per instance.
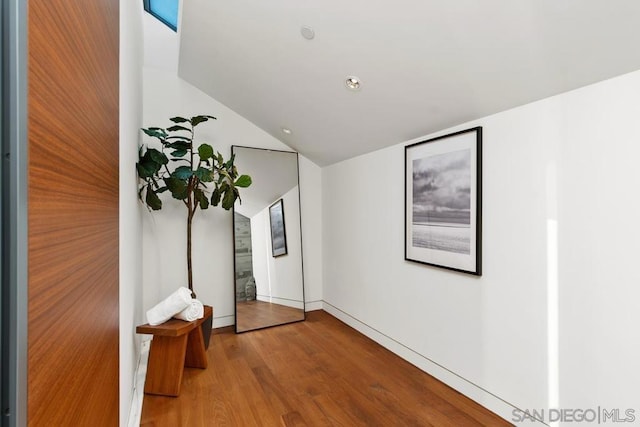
233	211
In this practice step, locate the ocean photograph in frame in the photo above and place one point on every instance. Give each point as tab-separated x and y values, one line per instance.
443	201
278	230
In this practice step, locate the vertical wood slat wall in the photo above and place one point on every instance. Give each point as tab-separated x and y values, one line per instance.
73	78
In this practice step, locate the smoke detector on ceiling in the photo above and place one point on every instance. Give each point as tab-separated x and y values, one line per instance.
307	32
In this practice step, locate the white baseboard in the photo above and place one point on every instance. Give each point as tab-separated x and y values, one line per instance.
490	401
222	321
288	303
312	305
138	390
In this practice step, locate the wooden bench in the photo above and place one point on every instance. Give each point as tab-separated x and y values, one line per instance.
175	344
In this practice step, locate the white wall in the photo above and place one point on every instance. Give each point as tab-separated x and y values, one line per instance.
161	44
278	278
164	239
130	232
552	321
312	232
599	246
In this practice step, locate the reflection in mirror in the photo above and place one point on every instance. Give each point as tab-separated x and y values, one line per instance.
269	284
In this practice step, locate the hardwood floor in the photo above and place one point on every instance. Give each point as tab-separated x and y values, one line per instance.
258	314
319	372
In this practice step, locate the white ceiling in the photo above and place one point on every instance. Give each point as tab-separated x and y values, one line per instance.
426	65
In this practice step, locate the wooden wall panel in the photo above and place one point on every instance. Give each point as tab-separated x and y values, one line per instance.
73	121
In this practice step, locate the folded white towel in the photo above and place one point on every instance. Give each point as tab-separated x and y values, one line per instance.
194	311
173	304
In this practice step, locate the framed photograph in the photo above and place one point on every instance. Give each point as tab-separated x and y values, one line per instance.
443	201
278	230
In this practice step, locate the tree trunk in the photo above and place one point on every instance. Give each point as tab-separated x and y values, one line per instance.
189	269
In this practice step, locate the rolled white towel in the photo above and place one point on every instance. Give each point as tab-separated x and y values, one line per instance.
173	304
194	311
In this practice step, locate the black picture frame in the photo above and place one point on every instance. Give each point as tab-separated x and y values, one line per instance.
443	201
278	229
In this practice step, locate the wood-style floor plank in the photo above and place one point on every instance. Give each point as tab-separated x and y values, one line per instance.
252	315
319	372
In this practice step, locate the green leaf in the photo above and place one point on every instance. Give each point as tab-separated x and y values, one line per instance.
181	148
181	152
182	172
229	198
159	133
152	199
183	138
215	197
205	151
178	127
243	181
177	187
150	163
178	119
157	156
218	193
196	120
229	163
204	203
146	169
179	144
201	198
224	174
204	174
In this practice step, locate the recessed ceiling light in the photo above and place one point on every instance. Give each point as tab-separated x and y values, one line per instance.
307	32
352	82
286	131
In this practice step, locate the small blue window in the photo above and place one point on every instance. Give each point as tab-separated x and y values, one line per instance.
165	10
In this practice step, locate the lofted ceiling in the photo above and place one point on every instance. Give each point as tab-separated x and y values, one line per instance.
425	65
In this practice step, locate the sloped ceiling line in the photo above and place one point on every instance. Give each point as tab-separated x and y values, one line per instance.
425	66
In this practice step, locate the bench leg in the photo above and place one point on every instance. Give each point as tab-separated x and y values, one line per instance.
166	365
196	356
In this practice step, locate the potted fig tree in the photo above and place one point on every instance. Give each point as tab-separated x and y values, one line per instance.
194	174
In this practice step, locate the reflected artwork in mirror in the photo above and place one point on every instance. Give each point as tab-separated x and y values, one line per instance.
278	232
269	287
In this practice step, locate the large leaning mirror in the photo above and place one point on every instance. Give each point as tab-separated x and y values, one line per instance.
269	286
